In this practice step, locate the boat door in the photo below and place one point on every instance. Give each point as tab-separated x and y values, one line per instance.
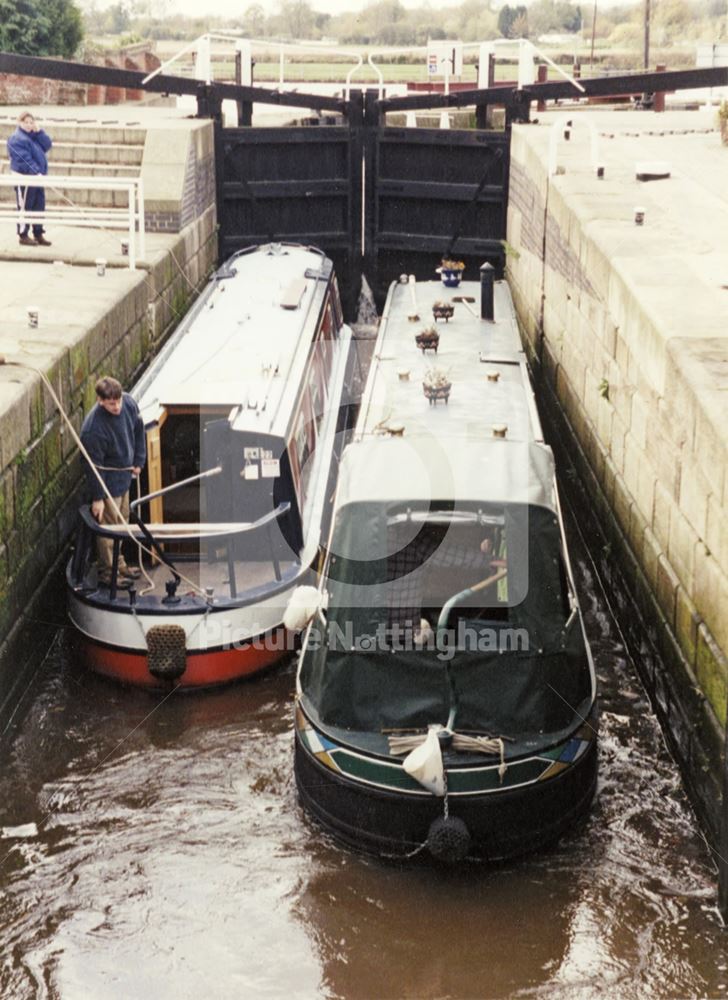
217	493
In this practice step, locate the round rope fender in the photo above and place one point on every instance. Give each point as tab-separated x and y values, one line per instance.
448	839
166	651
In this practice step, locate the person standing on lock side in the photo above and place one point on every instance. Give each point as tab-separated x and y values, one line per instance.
27	148
113	435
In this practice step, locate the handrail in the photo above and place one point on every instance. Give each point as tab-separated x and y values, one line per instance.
94	216
92	527
114	531
175	486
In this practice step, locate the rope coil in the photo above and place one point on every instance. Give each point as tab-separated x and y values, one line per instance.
460	742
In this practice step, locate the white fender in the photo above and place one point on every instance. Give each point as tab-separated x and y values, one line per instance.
425	765
303	605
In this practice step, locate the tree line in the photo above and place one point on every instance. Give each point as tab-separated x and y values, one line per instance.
57	27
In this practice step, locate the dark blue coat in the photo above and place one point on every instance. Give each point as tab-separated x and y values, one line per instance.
117	442
27	151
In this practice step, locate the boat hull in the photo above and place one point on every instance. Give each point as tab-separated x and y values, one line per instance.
221	647
500	825
204	669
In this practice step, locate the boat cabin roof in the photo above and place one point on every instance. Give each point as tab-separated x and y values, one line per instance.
408	448
245	343
417	469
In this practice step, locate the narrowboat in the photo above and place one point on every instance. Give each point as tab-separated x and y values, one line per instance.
446	694
243	410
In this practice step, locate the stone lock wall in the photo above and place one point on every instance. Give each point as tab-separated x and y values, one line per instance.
629	329
88	327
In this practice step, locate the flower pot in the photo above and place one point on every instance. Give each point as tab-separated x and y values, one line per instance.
435	392
428	340
450	278
443	310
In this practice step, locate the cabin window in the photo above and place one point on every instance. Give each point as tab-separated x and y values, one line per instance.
429	563
398	566
338	312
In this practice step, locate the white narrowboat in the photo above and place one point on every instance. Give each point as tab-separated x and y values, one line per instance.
243	410
446	695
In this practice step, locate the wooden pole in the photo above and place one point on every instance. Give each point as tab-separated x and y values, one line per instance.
647	35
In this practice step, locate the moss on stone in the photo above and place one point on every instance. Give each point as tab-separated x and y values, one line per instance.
712	672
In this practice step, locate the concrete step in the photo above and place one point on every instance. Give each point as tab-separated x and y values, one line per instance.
80	132
90	198
65	169
96	153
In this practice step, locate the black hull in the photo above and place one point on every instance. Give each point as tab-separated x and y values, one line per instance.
501	825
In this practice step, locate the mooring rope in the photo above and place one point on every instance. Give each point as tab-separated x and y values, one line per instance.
461	742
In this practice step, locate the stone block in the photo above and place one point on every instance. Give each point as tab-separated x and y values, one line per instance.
609	474
29	477
616	446
710	594
14	414
636	530
640	420
680	398
651	552
693	494
663	509
681	548
666	588
621	502
639	476
710	452
716	534
687	620
604	416
711	668
7	501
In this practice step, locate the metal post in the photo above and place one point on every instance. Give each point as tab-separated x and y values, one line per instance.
543	75
658	101
244	108
647	34
114	569
230	553
487	289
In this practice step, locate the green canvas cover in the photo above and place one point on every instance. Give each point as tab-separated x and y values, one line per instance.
515	669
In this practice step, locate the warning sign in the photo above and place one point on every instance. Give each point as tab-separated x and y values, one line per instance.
270	468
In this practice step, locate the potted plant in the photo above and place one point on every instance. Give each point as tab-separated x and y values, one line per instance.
723	121
442	310
451	272
436	385
428	339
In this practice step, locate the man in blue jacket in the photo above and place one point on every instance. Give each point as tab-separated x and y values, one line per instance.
27	148
113	435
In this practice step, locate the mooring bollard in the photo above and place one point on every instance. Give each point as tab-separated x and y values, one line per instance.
639	216
487	282
101	266
33	317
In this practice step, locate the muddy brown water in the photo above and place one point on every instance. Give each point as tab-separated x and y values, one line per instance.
172	860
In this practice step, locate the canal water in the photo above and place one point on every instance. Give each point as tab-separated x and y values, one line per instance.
154	847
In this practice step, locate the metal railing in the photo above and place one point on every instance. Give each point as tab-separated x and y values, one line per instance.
226	534
129	218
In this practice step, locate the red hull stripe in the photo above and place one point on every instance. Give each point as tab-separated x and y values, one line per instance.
203	669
